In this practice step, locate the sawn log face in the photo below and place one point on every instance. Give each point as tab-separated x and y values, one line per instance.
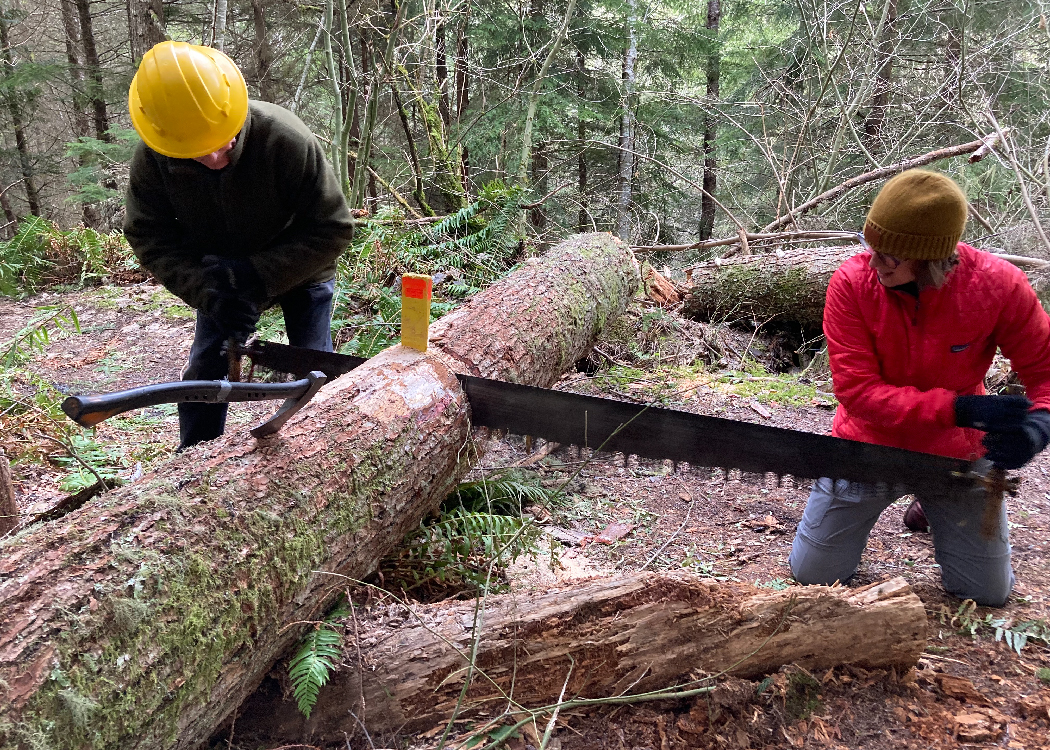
600	638
146	617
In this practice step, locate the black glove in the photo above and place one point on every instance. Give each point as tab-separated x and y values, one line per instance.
231	276
235	315
991	413
1012	449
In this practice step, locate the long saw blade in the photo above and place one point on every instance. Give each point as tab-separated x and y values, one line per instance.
654	432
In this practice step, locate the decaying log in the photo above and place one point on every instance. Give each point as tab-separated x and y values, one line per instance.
658	288
786	287
144	618
8	506
600	638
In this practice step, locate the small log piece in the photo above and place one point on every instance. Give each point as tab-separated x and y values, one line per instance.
143	619
599	638
783	288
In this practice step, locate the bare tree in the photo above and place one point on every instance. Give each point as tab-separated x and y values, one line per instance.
145	26
714	67
14	107
263	53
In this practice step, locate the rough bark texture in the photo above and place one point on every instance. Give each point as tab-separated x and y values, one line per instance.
784	288
8	506
143	619
609	636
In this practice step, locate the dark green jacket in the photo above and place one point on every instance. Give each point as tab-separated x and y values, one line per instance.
278	204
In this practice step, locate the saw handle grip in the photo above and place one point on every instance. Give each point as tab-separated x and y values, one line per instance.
88	411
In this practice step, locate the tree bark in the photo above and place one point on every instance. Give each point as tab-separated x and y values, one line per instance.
145	26
788	287
8	506
714	72
263	53
96	92
602	638
17	117
883	75
626	161
143	619
81	121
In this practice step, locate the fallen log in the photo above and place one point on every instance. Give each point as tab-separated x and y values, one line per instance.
786	288
646	632
144	618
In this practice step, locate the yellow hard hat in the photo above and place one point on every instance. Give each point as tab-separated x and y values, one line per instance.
187	101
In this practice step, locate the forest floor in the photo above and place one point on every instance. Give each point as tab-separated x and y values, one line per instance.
970	688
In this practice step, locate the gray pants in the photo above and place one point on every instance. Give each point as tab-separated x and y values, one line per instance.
839	517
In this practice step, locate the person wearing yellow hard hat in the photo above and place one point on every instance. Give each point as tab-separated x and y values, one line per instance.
233	206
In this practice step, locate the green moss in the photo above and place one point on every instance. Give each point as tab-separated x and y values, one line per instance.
128	613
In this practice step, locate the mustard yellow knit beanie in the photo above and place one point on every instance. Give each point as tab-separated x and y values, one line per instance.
917	214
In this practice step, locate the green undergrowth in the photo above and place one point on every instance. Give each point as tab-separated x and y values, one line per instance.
480	529
41	256
756	382
1016	635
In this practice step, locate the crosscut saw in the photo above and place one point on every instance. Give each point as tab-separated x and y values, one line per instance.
600	424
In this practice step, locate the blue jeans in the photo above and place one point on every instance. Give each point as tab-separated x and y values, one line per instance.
308	319
840	514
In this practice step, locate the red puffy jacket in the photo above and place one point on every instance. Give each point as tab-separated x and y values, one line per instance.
898	362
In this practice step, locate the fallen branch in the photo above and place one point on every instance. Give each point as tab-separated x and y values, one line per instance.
983	146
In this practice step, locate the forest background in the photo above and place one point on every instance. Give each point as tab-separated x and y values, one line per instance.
664	122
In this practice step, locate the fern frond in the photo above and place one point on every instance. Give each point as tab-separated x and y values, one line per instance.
309	669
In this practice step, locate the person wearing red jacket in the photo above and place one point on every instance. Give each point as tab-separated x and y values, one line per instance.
912	326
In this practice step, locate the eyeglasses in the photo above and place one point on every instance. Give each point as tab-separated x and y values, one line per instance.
887	260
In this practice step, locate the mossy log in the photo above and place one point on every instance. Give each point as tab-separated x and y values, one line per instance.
786	288
601	638
144	618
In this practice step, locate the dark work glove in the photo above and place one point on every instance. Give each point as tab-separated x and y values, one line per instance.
991	413
1012	449
235	315
231	276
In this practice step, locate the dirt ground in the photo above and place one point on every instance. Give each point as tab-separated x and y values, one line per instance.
968	689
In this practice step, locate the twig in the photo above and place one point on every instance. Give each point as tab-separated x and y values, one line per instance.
663	546
1009	151
360	667
750	237
554	714
69	449
877	174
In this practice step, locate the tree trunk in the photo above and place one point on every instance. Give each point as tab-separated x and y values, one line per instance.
96	93
626	161
602	638
8	506
263	53
714	72
145	26
463	96
17	117
441	69
785	288
81	121
145	618
218	34
583	218
883	75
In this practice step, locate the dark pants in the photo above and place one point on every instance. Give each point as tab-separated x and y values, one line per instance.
308	319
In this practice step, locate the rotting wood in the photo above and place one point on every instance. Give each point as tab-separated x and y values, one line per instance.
603	637
658	288
145	618
8	505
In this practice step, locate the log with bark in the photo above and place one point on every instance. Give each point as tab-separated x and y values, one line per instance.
144	618
784	288
8	504
405	672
